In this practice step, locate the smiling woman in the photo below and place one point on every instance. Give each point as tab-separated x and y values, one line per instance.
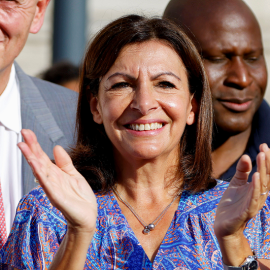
128	82
142	89
144	126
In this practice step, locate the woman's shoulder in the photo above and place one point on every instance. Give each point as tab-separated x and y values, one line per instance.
107	203
37	194
37	204
204	201
37	200
37	226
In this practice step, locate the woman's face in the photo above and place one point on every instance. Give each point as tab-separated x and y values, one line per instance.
144	101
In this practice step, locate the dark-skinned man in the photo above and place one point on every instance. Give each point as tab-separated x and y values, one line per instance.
229	38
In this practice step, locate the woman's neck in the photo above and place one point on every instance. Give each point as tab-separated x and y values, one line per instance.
148	187
148	181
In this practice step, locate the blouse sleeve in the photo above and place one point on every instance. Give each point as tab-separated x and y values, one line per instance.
257	232
36	234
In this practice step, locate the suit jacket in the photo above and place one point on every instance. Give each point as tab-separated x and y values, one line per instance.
49	110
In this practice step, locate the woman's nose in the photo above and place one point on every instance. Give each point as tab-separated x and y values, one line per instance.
144	99
238	74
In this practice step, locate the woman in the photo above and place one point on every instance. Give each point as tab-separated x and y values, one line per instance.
144	145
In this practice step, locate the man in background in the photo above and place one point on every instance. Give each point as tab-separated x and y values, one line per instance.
228	37
27	103
63	73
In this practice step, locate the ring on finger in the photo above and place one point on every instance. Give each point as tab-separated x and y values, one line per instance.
36	181
266	192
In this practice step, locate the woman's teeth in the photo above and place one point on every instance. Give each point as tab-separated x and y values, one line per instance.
142	127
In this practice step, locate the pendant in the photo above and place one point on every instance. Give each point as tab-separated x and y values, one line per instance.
151	226
146	230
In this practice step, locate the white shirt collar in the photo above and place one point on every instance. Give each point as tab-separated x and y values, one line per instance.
10	104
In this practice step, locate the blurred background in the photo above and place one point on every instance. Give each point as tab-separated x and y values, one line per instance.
38	52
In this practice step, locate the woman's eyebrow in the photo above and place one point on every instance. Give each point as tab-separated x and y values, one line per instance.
166	73
133	78
121	74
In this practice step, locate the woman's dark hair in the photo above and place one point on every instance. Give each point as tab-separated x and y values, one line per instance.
93	154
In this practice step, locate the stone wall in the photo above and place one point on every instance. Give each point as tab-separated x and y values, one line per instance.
37	53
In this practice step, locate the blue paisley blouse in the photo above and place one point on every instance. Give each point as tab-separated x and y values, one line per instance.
190	242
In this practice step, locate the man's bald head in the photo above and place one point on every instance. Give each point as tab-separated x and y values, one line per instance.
228	36
202	16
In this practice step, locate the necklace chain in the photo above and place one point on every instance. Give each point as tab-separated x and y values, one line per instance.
151	226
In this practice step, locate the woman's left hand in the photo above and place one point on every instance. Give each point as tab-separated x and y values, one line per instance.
242	200
239	203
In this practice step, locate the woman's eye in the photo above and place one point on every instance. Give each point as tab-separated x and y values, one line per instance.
120	85
166	84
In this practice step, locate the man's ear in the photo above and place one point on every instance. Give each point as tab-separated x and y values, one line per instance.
95	110
193	112
37	22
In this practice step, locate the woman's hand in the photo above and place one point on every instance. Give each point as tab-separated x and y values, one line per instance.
66	189
241	202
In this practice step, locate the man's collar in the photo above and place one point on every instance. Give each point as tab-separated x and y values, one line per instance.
10	113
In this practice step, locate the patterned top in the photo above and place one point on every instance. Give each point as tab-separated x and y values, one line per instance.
189	243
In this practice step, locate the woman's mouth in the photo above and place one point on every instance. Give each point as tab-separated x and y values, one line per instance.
145	127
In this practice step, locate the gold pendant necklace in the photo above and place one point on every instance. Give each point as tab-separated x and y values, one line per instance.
151	226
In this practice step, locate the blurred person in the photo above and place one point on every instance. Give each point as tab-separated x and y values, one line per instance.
229	38
137	191
63	73
26	102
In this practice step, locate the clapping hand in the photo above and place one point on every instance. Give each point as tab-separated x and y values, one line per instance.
65	187
242	200
239	203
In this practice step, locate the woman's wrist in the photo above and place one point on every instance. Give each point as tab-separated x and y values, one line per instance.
78	232
71	254
235	249
79	237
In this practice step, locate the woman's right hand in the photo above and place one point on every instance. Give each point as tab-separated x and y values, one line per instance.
65	187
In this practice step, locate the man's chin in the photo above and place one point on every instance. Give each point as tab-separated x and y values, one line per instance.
232	128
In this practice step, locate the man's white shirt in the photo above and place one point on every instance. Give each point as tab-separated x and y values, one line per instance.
10	155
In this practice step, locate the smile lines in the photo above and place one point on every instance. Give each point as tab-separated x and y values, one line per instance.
143	127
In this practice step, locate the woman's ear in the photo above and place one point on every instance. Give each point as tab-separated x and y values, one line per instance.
194	109
95	109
